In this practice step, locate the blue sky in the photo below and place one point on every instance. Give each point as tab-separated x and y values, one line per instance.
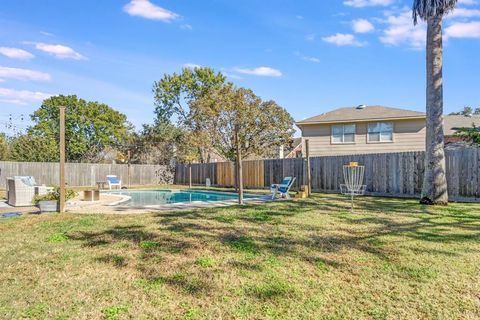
309	56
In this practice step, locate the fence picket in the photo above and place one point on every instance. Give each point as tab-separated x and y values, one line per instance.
399	174
87	174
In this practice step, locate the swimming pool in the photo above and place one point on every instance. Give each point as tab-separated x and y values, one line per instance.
136	198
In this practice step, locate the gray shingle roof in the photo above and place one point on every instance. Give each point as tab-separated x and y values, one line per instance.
452	123
366	114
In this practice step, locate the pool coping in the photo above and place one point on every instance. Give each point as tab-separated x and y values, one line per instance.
116	207
125	198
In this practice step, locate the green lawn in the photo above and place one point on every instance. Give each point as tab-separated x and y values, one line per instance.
391	259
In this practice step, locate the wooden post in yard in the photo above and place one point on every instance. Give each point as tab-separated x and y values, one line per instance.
309	177
128	167
239	168
62	159
190	175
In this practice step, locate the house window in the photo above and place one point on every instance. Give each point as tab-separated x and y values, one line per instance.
380	132
344	133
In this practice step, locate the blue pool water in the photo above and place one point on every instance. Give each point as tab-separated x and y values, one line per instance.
158	197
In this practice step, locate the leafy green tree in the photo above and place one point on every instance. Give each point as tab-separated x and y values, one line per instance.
3	147
434	190
466	111
90	127
33	148
174	95
240	124
155	144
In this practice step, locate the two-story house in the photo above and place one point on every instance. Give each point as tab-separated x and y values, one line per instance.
371	129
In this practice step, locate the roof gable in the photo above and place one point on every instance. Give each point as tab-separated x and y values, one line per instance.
367	113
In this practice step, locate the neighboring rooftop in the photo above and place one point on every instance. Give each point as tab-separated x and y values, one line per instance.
452	123
363	113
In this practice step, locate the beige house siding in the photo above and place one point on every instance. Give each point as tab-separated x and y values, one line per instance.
408	135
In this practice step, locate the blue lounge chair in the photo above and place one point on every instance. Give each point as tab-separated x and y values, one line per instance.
114	181
283	188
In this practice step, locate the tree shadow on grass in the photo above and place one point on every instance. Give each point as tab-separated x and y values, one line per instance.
243	265
340	203
189	284
432	227
269	212
130	233
150	247
424	227
254	230
116	260
134	234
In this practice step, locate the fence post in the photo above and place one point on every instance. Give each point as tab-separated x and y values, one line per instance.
128	168
307	154
92	176
62	159
190	175
239	167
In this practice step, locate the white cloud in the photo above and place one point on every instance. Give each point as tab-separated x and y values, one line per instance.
299	17
16	53
22	97
311	59
467	2
342	39
463	13
23	74
362	26
59	51
310	37
307	58
260	71
146	9
400	30
463	30
48	34
368	3
186	27
192	65
232	75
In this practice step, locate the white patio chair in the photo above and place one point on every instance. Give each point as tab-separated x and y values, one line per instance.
113	181
283	188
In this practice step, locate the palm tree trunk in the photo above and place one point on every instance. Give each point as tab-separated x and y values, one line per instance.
434	189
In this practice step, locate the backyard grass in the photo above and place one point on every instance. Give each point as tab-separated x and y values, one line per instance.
312	259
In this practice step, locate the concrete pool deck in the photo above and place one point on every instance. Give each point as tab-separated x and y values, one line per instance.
112	204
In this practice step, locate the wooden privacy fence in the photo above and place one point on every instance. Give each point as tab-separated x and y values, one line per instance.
86	174
256	173
391	174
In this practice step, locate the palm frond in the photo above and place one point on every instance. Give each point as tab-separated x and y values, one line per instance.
425	9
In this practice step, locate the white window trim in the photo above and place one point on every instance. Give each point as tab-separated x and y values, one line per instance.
343	133
387	141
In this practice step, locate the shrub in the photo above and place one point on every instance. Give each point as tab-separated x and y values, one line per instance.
55	195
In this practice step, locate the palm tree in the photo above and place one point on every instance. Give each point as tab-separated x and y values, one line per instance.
434	190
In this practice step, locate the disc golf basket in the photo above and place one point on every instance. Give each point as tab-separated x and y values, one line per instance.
353	181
